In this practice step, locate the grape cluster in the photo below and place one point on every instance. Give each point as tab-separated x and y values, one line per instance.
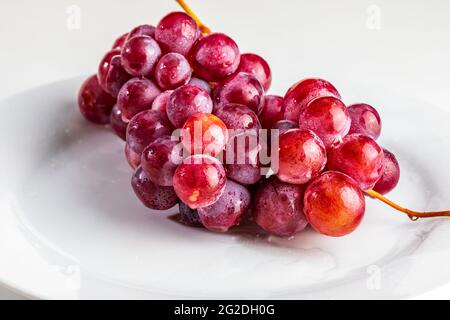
157	85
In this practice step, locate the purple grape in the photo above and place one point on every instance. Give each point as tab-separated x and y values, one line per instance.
189	216
228	210
172	71
186	101
140	55
152	196
136	95
94	103
117	124
236	116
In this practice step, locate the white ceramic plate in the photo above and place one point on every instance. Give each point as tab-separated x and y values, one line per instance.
71	227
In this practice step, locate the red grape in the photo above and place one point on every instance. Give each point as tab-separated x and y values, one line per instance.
160	159
120	41
258	67
272	111
94	103
117	124
133	158
204	133
241	88
136	95
186	101
215	57
360	157
189	216
328	118
152	196
365	120
301	157
391	174
284	125
303	92
278	207
201	83
145	127
334	204
177	32
140	55
142	30
228	210
238	117
111	74
161	101
172	71
199	181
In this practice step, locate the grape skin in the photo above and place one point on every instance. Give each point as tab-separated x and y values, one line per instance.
391	174
94	103
365	120
117	124
258	67
172	71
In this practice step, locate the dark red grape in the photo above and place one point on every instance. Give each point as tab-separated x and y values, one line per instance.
142	30
241	88
334	204
391	174
136	95
365	120
111	74
189	216
161	101
140	55
120	41
117	124
215	56
145	127
278	207
360	157
133	158
228	210
258	67
301	157
204	133
172	71
201	83
152	196
328	118
238	117
303	92
272	111
186	101
177	32
284	125
94	103
199	181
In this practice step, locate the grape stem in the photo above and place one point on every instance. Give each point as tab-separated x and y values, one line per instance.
204	29
413	215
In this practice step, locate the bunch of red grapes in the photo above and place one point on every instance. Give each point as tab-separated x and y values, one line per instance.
156	80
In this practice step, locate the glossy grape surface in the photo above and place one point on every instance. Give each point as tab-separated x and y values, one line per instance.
301	157
255	65
365	120
136	95
272	111
201	84
334	204
228	210
172	71
360	157
328	118
284	125
140	55
120	41
152	196
142	30
391	174
117	124
111	74
133	158
215	56
94	103
278	207
199	181
238	117
303	92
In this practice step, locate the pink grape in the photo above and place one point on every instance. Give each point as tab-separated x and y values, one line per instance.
238	117
172	71
334	204
160	160
142	30
94	103
301	157
145	127
255	65
152	196
215	56
228	210
241	88
117	124
140	55
133	158
186	101
391	174
278	207
199	181
303	92
365	120
328	118
360	157
136	95
177	32
272	111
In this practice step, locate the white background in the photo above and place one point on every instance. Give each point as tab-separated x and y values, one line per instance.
394	44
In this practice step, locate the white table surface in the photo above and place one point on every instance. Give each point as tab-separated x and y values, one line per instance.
397	44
